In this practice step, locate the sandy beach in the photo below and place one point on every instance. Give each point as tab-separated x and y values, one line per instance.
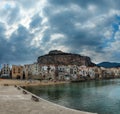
28	82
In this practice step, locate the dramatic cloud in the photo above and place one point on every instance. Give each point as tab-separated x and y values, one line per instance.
31	28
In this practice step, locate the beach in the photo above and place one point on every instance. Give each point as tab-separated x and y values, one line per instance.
12	82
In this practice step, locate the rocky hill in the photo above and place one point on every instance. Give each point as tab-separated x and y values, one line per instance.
57	57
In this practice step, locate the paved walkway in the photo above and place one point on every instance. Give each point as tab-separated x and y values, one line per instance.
13	101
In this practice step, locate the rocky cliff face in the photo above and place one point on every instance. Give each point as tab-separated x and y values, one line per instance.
57	57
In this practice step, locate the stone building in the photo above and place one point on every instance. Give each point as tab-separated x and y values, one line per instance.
98	72
17	72
34	70
116	72
5	71
47	72
27	71
61	72
91	72
83	71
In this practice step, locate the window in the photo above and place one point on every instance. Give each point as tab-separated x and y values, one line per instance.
74	72
71	71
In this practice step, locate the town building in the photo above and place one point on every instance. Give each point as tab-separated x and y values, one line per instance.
34	70
48	72
17	72
27	71
5	71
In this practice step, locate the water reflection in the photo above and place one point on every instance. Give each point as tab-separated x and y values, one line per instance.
96	96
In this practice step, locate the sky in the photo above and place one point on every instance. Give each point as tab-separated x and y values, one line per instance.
31	28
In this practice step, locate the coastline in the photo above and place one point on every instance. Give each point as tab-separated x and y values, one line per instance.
12	82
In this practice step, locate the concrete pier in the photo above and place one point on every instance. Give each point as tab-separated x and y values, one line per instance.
14	101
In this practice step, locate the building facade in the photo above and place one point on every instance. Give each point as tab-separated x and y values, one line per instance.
27	71
17	72
5	71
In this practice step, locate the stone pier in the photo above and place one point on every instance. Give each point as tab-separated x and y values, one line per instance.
15	101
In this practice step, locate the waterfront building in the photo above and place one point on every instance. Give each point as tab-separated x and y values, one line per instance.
52	71
73	72
61	72
34	68
67	75
83	71
68	72
47	72
44	71
5	71
116	72
110	73
119	72
91	72
32	71
27	70
17	72
97	71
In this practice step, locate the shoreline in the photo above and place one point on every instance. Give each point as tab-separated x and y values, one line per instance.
12	82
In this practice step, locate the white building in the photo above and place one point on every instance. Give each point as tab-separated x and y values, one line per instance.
35	69
5	71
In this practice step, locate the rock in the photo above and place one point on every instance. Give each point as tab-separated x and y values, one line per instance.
57	57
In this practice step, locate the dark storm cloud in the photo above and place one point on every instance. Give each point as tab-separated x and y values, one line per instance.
17	48
46	37
64	22
20	45
103	4
36	21
64	16
3	41
21	35
2	30
83	24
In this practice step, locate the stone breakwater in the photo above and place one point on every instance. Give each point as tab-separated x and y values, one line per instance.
15	100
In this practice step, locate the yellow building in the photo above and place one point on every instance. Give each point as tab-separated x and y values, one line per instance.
17	72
